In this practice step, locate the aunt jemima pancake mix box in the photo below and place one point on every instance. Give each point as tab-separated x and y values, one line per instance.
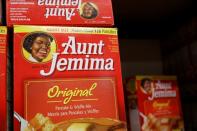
159	103
3	63
68	78
60	12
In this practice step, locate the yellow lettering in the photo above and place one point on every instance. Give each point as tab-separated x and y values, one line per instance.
68	94
92	88
52	92
160	105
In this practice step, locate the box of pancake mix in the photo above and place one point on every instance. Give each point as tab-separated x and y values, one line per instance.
3	75
68	78
60	12
159	103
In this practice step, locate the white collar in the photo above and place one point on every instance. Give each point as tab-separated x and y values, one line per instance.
32	59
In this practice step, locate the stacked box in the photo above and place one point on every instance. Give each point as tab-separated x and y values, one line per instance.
68	75
60	12
3	64
159	103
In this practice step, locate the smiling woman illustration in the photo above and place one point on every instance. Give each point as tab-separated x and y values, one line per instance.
38	45
89	10
147	86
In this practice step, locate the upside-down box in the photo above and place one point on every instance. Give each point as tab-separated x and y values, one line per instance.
60	12
67	74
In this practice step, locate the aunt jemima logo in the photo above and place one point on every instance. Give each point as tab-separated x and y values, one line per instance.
73	47
57	7
162	90
69	8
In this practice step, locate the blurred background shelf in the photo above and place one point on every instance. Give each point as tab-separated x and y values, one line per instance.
160	37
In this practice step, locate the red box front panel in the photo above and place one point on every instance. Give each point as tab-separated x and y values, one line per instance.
159	103
60	67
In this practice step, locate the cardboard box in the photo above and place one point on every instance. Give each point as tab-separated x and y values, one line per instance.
67	73
3	77
159	103
60	12
131	104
